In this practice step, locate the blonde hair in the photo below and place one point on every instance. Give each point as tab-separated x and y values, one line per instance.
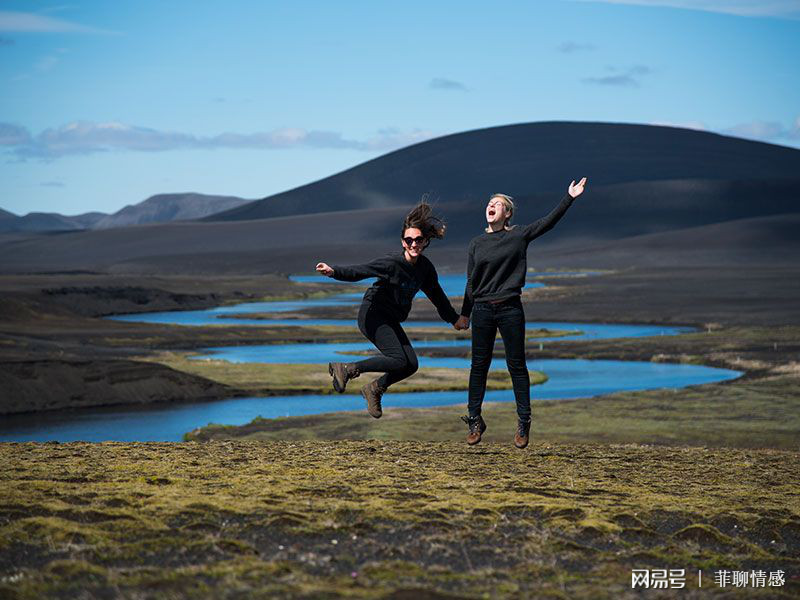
508	202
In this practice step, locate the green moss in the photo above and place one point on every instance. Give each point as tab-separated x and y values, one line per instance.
366	519
68	570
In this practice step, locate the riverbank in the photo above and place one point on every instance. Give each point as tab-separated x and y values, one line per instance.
279	379
389	519
759	409
53	335
754	413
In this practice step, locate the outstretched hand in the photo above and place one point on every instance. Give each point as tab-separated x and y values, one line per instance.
324	269
461	324
576	189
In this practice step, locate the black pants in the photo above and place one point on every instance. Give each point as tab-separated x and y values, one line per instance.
509	318
398	359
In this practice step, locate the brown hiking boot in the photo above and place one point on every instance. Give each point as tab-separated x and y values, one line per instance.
476	429
342	373
523	433
372	393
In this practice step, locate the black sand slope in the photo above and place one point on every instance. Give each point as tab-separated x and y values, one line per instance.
530	158
295	244
642	180
772	239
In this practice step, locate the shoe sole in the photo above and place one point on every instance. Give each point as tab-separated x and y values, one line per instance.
336	385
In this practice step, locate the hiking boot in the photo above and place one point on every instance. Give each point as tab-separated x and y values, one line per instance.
523	433
342	373
372	393
476	429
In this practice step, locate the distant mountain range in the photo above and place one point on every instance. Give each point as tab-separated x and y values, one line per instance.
161	208
643	180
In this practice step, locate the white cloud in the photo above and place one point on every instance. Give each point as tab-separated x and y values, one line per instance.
765	130
84	137
22	22
630	77
440	83
392	139
786	9
13	135
697	125
46	63
570	47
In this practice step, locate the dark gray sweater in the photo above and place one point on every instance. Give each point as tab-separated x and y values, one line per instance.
497	261
398	283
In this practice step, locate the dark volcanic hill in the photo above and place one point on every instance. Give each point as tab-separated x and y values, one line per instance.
531	158
163	208
643	180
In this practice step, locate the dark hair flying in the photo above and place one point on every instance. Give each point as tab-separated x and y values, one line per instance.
421	217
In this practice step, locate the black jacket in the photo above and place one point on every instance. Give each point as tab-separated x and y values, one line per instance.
398	282
497	262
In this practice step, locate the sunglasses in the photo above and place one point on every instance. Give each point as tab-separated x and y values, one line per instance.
418	240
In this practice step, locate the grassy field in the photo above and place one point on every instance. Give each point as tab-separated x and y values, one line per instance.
375	519
276	379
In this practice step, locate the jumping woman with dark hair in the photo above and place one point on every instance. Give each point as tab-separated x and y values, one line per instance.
387	303
496	268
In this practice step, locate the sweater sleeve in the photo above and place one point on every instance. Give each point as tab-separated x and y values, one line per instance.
546	223
466	305
380	267
440	300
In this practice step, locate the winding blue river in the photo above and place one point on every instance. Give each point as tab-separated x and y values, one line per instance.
453	286
574	378
168	422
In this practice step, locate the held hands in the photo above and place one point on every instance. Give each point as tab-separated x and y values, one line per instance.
576	189
462	323
324	269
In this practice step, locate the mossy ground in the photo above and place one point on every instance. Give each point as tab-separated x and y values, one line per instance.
373	519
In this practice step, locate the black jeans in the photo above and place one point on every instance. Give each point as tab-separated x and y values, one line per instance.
398	359
509	318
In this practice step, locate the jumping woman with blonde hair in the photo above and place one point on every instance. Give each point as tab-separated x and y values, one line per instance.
387	303
496	269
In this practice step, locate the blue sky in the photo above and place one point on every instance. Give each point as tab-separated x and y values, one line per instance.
106	103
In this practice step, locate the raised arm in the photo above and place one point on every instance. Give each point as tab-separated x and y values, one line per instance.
436	294
549	221
376	268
